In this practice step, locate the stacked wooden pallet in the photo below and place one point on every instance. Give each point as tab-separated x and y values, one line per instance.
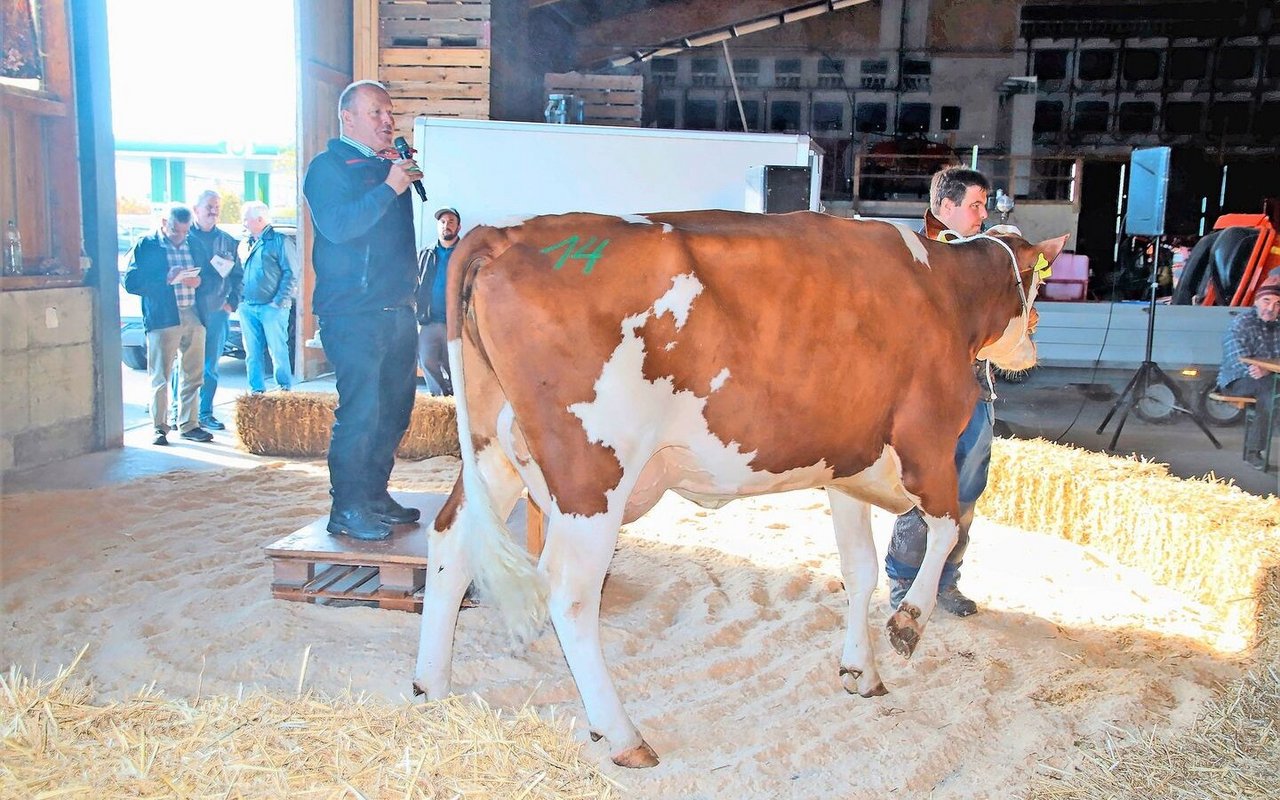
434	58
607	99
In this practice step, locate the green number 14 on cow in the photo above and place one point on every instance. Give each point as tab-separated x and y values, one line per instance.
575	251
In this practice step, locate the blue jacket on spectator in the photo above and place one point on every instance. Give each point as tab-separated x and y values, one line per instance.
364	253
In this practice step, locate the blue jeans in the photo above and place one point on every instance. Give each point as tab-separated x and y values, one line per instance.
373	355
266	329
910	534
215	338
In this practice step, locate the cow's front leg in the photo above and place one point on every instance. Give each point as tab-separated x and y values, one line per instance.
852	522
907	623
576	557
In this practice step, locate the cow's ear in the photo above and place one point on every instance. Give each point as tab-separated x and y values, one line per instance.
1051	247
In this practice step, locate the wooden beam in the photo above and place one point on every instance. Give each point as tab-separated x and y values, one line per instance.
652	27
364	52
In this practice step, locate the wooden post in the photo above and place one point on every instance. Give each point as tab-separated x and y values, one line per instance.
365	40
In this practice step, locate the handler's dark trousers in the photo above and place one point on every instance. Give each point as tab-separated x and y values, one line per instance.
910	534
1260	390
373	354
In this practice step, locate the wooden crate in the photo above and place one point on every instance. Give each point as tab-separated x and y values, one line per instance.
435	82
312	566
607	99
431	23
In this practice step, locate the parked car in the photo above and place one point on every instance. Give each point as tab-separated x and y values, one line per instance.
133	338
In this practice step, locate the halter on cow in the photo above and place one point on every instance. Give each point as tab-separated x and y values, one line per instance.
600	361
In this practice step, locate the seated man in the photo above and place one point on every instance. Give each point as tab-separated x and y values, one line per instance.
1255	334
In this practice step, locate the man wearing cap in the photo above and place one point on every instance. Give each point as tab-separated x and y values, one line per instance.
1255	334
433	271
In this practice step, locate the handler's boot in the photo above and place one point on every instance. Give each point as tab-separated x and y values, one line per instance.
953	601
392	513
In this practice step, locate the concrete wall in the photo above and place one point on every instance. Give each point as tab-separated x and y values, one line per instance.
47	376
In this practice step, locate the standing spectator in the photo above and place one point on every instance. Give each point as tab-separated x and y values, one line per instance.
433	274
958	203
1255	334
219	293
166	275
366	277
270	279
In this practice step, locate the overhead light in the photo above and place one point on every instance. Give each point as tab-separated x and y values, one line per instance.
709	38
622	61
758	25
804	13
665	51
836	5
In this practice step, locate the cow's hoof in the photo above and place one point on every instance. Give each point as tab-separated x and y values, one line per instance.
418	691
595	737
849	679
641	755
876	691
904	629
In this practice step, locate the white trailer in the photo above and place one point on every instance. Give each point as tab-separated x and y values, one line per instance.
492	170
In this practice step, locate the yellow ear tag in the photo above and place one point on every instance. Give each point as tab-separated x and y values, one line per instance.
1042	267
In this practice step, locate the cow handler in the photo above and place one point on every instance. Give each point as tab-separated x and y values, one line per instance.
957	202
366	274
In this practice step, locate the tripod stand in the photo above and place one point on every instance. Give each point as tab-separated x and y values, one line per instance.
1150	374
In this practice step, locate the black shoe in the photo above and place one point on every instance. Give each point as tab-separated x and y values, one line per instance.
358	524
209	423
197	435
162	438
392	513
1254	459
953	601
897	591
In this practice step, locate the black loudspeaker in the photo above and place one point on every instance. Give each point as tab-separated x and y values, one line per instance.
1148	191
785	189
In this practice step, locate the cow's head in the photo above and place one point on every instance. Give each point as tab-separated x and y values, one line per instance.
1013	350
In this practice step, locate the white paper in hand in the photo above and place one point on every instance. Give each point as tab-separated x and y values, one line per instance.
222	264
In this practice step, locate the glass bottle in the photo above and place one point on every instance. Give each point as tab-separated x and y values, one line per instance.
12	250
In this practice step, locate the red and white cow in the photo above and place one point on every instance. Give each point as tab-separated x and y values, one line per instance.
600	361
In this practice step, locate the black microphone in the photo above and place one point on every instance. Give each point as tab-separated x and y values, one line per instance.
402	147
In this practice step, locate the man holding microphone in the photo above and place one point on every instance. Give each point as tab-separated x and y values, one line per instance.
366	274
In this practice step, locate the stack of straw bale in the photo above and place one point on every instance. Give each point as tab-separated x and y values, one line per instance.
58	741
1206	538
1209	540
298	425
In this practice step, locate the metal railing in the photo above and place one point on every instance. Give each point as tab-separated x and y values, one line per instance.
906	177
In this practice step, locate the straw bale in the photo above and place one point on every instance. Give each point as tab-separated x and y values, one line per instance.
298	425
57	740
1206	538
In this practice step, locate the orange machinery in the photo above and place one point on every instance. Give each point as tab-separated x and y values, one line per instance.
1264	258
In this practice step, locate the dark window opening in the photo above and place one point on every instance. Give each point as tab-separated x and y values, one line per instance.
949	120
1091	117
666	113
750	110
784	116
915	66
1048	117
1050	65
1229	119
663	65
1183	117
700	115
828	116
1234	63
1137	117
1273	62
1096	65
1188	64
871	117
1141	65
1267	123
875	66
914	117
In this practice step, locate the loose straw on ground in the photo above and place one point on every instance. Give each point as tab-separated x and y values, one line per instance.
56	740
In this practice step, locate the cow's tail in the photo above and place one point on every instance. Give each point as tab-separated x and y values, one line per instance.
502	569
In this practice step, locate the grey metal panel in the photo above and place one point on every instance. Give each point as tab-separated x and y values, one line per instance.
1114	335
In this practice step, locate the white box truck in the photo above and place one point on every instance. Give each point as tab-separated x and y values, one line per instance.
491	170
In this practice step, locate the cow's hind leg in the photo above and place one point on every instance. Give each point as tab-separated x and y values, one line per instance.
852	521
907	623
576	557
449	571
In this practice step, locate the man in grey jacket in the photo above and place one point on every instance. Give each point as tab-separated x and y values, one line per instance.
270	279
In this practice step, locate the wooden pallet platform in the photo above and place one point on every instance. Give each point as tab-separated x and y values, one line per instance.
312	566
607	99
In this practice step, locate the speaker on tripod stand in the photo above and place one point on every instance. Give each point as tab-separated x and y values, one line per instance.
1148	192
